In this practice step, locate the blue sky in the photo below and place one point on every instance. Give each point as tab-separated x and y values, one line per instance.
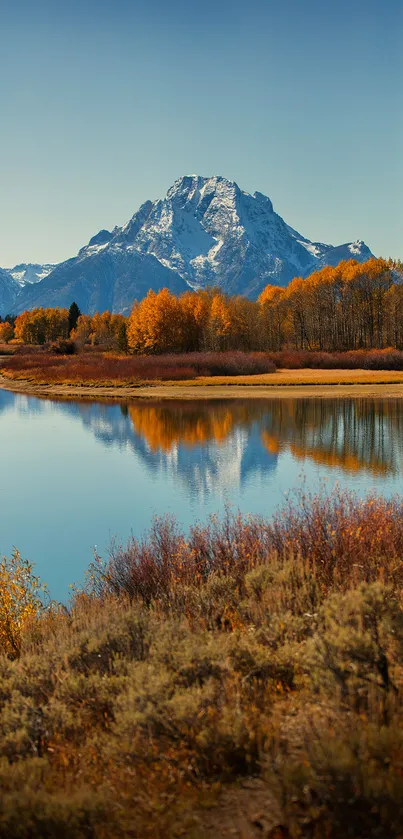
104	104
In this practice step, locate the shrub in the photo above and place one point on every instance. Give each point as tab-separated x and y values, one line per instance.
386	359
245	649
20	600
101	368
62	347
340	537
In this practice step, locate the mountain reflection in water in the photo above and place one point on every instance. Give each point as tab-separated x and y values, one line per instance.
207	443
75	474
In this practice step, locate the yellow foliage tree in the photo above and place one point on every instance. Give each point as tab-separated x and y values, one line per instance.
6	333
81	334
221	322
195	310
20	600
42	325
155	324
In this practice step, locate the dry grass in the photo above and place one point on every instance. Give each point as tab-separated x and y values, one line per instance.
104	369
97	369
7	349
307	376
245	653
100	371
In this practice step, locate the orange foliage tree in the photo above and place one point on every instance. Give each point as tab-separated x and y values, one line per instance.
195	321
42	325
6	333
352	306
155	324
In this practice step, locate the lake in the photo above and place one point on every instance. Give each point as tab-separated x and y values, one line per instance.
75	474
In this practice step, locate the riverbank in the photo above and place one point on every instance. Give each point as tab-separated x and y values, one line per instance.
281	384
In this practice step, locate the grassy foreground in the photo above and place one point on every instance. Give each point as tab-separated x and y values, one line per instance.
246	661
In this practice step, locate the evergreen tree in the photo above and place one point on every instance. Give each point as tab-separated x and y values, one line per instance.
122	338
74	314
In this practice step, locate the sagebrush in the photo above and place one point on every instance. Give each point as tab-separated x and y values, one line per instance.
244	649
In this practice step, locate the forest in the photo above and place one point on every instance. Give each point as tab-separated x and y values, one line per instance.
353	306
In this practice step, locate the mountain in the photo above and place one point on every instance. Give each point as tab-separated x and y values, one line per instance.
28	274
13	280
206	231
8	293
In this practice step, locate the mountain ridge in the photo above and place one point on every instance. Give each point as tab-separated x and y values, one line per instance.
204	232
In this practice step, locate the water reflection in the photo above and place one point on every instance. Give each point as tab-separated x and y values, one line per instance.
352	434
73	474
211	444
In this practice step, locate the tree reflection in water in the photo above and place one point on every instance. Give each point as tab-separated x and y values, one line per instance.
351	434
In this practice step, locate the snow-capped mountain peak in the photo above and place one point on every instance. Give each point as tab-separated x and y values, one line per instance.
206	231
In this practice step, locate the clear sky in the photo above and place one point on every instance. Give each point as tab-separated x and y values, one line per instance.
104	103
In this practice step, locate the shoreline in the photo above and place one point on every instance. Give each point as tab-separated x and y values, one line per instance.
286	384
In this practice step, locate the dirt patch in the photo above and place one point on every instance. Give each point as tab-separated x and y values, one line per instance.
244	811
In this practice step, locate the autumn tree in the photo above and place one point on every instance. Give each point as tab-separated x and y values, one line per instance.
41	325
195	312
351	306
20	599
6	332
155	325
221	324
81	334
273	316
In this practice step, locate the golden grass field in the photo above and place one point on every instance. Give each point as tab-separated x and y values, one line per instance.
306	376
282	383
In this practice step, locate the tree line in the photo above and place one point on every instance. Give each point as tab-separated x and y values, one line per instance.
347	307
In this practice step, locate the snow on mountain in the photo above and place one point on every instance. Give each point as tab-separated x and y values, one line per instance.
206	231
27	274
12	280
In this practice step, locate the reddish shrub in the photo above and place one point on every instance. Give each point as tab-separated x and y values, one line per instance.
387	359
342	538
100	367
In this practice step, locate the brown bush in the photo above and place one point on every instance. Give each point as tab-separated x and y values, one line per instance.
386	359
100	368
341	538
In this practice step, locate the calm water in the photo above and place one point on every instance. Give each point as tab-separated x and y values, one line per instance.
74	475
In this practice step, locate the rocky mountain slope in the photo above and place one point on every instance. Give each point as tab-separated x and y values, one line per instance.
206	231
8	292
